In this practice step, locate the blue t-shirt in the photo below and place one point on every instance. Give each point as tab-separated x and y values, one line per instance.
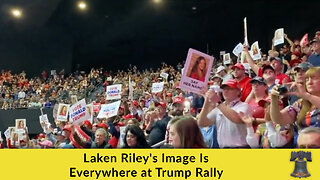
314	59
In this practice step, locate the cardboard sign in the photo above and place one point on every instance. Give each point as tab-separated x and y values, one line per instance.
196	72
78	112
157	87
304	40
278	37
130	90
122	136
20	125
114	91
226	58
222	53
164	75
245	32
255	51
109	110
96	107
63	111
238	49
44	118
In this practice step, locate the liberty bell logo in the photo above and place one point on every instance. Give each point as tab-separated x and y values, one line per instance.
300	167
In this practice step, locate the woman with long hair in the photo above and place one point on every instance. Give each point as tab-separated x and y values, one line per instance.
199	69
185	133
305	111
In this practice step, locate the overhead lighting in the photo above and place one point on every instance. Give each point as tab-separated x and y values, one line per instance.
157	1
82	5
16	13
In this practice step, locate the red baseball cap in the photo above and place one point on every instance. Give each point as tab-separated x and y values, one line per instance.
135	103
238	65
67	128
103	125
231	83
129	116
178	100
162	104
88	123
169	94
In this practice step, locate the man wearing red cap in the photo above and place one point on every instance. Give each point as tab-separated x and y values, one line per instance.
243	80
157	128
231	130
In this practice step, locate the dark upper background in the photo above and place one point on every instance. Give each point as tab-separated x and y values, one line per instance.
54	34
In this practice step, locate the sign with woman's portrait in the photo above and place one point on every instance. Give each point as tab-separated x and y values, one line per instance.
196	72
63	110
255	51
278	37
20	124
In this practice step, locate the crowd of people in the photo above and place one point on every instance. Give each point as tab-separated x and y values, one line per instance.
271	103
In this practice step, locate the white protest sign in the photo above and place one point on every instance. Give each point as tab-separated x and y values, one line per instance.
245	31
278	37
164	75
157	87
78	112
222	53
226	58
122	136
238	49
196	72
0	136
130	89
62	114
44	118
255	51
53	72
114	91
109	110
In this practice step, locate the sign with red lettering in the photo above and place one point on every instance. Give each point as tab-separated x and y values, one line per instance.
78	112
114	92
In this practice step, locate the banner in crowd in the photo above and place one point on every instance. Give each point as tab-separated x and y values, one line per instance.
278	37
255	51
78	112
63	111
227	58
164	75
237	50
109	110
157	87
90	111
304	40
114	92
196	72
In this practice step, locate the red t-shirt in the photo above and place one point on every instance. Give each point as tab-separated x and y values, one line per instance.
246	87
194	76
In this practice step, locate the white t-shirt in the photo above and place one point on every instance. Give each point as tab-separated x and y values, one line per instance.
230	134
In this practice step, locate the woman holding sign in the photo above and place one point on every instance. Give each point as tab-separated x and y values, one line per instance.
199	69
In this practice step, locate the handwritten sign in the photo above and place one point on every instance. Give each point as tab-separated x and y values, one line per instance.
78	112
157	87
109	110
196	72
114	91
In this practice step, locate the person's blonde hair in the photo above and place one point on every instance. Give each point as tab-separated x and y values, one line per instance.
306	105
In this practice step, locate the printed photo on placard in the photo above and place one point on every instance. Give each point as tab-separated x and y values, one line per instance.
278	37
20	123
255	51
63	110
196	72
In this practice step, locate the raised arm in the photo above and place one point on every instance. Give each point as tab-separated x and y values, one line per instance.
252	64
